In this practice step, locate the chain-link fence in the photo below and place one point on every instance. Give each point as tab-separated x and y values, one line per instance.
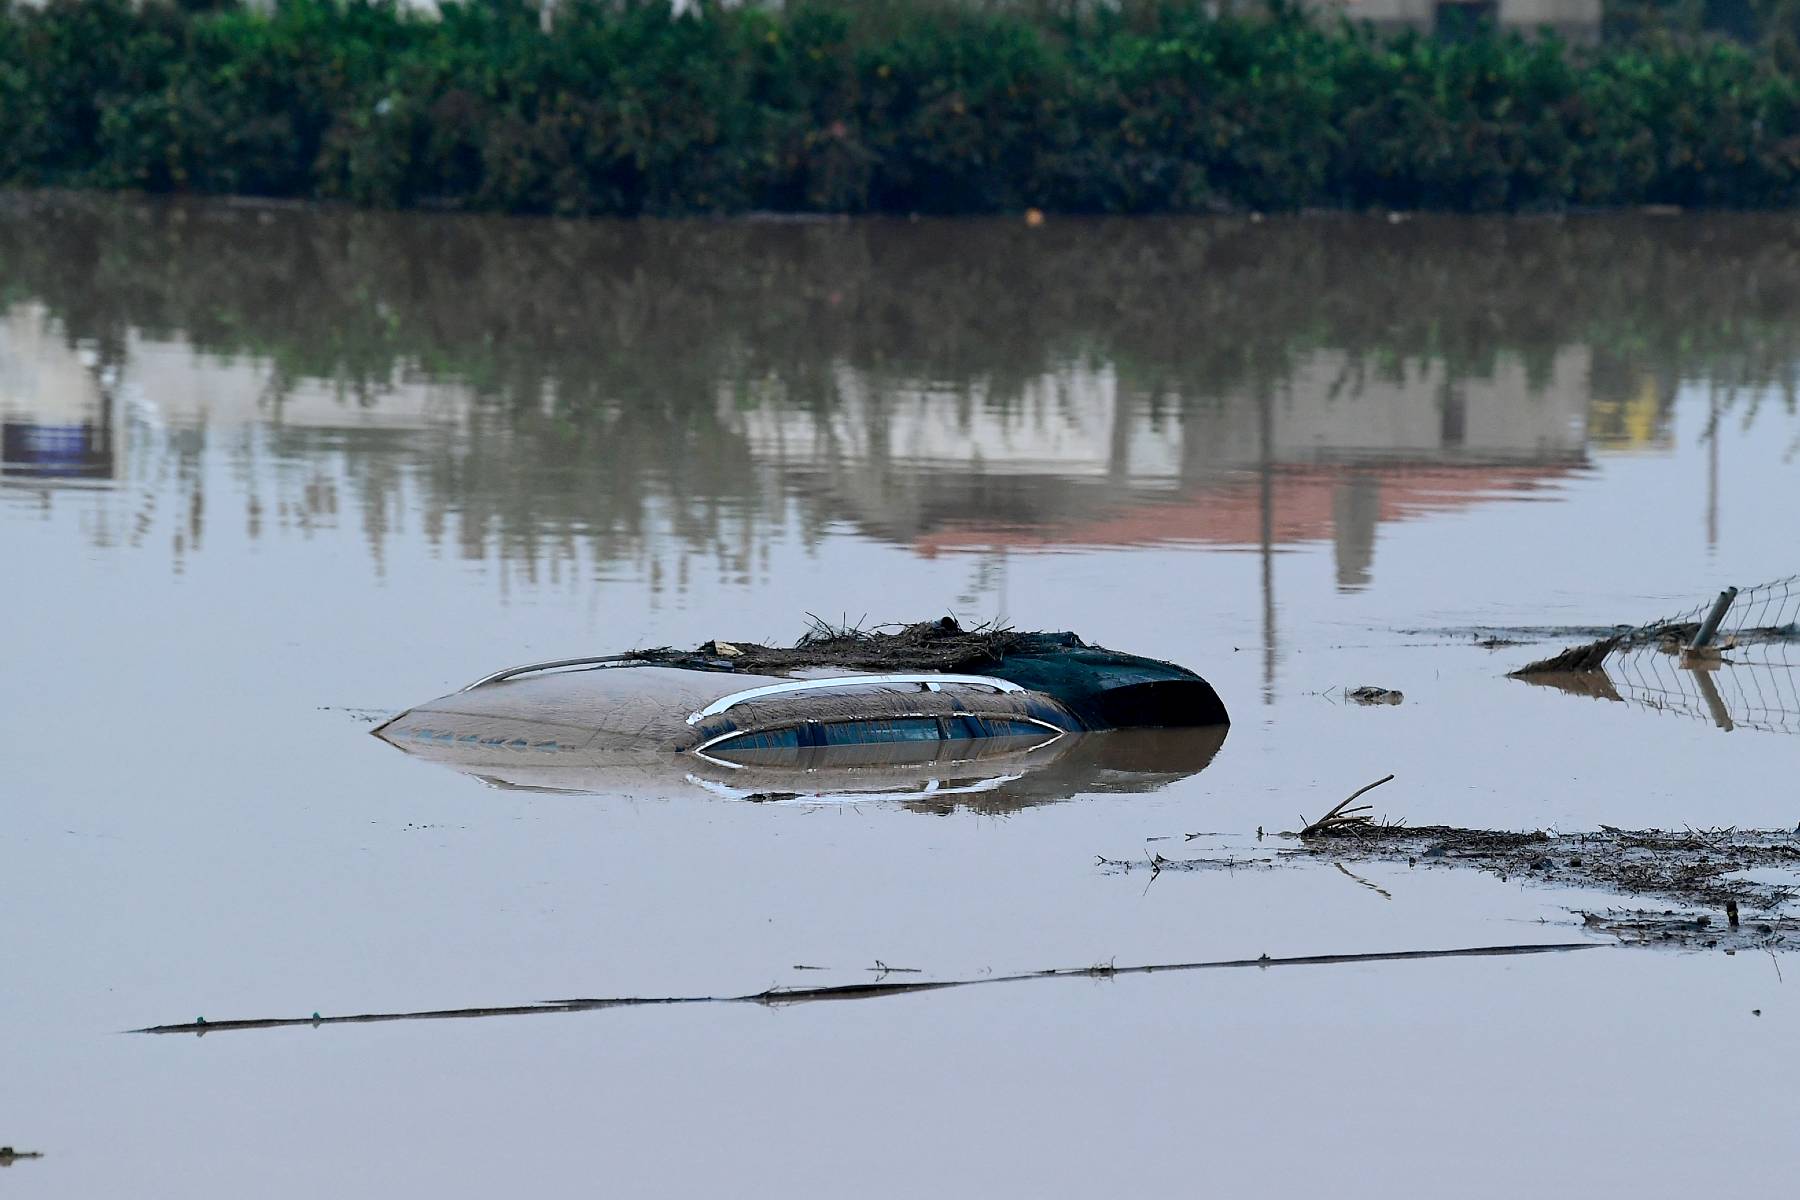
1744	673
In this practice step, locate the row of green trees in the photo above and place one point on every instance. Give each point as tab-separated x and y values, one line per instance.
919	106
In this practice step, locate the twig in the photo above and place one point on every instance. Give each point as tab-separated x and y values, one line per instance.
1373	887
1338	817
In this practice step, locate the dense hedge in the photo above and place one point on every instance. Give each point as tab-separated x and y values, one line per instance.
952	106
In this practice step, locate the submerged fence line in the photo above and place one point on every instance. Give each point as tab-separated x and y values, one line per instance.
1763	696
1743	673
829	106
1750	618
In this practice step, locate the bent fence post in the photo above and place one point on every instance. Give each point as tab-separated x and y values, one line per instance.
1709	628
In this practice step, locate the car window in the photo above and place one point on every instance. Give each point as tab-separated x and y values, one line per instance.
769	739
879	732
864	733
986	727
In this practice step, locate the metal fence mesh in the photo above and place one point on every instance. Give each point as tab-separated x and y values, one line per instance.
1749	678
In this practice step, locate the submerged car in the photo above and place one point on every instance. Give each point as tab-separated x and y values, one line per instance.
757	722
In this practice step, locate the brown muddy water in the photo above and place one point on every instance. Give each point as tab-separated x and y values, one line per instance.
271	473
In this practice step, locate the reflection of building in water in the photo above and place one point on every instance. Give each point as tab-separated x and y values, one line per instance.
1338	448
64	418
58	424
185	388
320	438
1637	420
521	486
1336	445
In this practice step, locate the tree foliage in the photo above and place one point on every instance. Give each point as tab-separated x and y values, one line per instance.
626	107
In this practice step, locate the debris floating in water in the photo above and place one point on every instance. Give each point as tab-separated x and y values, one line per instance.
1687	929
1590	656
1704	869
778	996
1343	817
1374	695
940	645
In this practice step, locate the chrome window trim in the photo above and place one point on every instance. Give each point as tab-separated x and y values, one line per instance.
931	683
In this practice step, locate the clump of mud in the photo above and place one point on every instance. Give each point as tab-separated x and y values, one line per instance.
1589	656
1708	931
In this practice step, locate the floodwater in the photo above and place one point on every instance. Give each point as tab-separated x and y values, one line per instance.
270	472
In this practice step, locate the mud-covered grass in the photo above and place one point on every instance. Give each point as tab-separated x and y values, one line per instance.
1690	866
1701	870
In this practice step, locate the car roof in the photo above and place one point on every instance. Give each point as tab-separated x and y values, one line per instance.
628	707
879	698
649	708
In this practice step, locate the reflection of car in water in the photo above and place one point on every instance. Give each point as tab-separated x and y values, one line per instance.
56	453
1069	718
58	423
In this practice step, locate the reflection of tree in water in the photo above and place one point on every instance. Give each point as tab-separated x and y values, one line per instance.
606	367
528	489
